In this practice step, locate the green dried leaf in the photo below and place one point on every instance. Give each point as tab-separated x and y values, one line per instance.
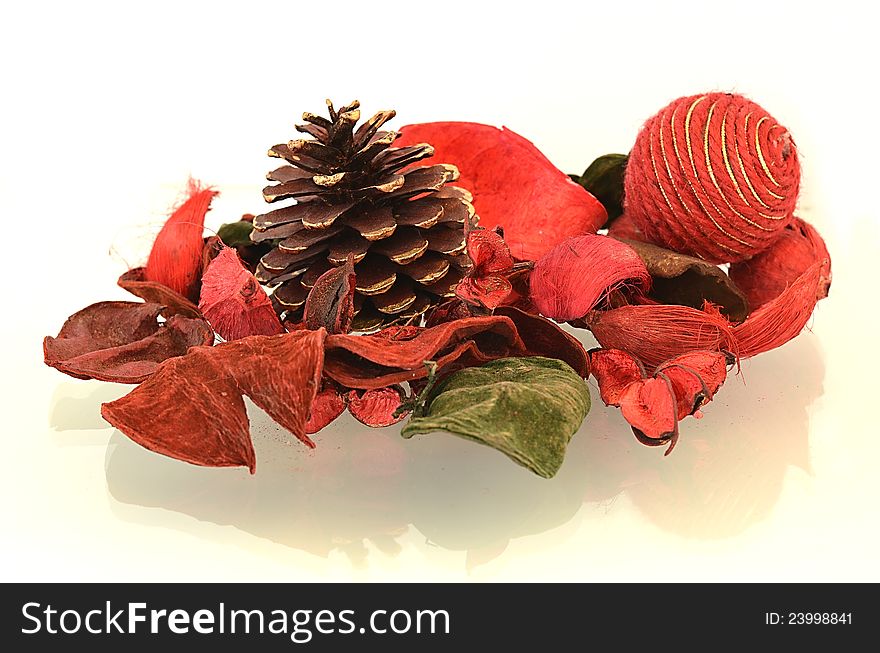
236	234
604	179
527	408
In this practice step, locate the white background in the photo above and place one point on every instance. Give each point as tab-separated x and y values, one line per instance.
107	109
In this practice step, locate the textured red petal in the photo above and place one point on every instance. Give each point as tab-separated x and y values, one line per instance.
513	184
121	342
488	251
326	407
281	374
764	277
710	366
688	388
176	257
191	408
234	302
614	370
573	277
489	292
649	406
377	361
376	408
154	292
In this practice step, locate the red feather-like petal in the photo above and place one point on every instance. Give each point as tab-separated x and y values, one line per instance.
176	257
513	184
234	302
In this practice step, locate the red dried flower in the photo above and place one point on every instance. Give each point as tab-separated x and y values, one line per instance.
514	185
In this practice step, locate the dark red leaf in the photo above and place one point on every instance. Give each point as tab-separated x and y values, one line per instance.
191	408
326	407
545	338
122	342
376	361
572	278
376	408
176	257
234	302
330	303
136	283
513	184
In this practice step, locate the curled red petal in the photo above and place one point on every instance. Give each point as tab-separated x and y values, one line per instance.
326	407
572	278
650	407
376	407
489	292
710	366
121	342
614	370
234	302
488	252
514	185
330	303
176	257
135	282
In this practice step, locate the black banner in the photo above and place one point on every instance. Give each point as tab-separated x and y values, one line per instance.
391	617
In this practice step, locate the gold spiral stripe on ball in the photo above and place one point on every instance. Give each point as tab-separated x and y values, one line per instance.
687	133
712	172
761	158
733	177
742	166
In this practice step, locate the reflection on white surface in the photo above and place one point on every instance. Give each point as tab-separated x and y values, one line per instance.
368	486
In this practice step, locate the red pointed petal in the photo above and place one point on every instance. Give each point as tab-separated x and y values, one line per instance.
573	277
234	302
614	370
191	410
121	342
513	184
376	408
176	257
281	374
326	407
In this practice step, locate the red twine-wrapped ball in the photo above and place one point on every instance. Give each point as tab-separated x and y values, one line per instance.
713	176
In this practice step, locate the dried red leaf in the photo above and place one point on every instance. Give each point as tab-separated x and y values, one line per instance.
191	409
176	257
326	407
330	303
376	408
576	275
514	185
764	277
375	361
154	292
234	302
614	371
121	342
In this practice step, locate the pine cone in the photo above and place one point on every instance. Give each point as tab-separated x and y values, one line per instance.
405	228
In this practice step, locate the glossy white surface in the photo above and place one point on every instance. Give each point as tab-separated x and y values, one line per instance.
112	111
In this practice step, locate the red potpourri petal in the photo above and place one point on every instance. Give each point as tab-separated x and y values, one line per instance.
376	408
514	185
326	407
